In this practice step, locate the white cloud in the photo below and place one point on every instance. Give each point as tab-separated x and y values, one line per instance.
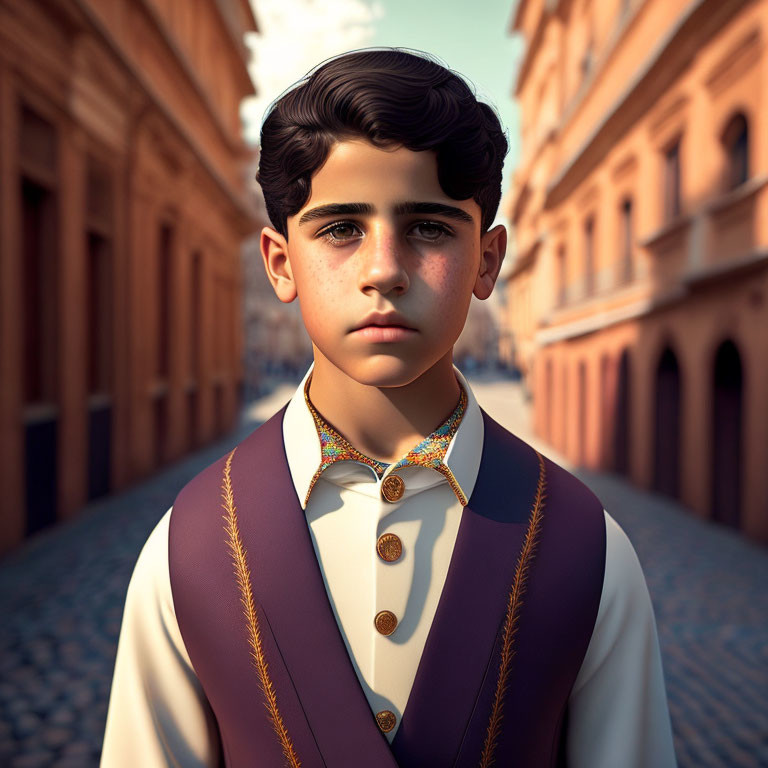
296	35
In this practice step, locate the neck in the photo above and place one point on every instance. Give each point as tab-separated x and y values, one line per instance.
384	422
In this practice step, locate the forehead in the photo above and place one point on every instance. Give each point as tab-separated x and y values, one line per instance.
356	171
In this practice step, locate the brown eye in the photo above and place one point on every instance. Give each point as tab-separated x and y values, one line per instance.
431	230
339	232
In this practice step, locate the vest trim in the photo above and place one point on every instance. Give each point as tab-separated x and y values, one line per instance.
243	577
512	618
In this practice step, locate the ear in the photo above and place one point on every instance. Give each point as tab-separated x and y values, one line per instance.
493	245
274	251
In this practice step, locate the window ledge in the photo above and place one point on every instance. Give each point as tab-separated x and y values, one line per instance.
678	226
727	201
712	275
592	301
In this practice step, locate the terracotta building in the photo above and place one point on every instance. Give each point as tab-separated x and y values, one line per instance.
122	210
638	302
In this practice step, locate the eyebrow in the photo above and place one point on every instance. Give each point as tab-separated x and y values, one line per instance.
401	209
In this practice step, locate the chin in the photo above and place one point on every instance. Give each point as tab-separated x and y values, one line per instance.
390	371
381	370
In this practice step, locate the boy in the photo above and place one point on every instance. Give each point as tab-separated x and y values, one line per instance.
381	575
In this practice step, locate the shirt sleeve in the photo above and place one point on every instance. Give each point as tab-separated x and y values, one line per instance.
158	714
618	712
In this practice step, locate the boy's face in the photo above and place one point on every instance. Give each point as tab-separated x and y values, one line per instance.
378	234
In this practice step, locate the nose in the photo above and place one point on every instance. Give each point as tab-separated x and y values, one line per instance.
382	262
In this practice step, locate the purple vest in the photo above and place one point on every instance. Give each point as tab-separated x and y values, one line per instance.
510	633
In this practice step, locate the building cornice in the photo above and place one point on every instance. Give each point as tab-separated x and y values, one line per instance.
189	70
517	17
235	197
180	57
672	54
530	54
233	29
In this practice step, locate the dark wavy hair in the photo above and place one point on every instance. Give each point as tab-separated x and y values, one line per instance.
390	97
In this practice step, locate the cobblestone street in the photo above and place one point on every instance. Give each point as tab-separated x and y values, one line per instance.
62	594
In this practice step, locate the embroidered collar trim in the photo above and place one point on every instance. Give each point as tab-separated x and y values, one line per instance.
429	453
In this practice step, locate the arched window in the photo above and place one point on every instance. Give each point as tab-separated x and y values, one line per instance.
735	141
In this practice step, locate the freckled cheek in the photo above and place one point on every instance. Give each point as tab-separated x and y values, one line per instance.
321	296
445	280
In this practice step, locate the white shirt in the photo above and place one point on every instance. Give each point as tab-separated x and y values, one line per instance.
159	716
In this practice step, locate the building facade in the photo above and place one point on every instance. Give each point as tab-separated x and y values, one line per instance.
637	306
122	210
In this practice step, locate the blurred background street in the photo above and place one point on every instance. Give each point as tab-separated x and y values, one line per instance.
140	338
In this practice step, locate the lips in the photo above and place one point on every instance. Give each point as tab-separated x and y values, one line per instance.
383	334
384	319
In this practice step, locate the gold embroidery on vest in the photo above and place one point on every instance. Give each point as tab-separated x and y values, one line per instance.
243	576
512	619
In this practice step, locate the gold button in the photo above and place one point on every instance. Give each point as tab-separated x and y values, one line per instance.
385	622
389	547
386	720
392	487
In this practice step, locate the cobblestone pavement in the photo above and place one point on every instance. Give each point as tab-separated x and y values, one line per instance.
62	594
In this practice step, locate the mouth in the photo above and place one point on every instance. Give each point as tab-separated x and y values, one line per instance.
383	325
383	333
391	320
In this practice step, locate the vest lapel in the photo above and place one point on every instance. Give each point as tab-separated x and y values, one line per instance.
472	606
288	584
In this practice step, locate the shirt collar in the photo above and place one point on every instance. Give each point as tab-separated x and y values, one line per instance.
455	452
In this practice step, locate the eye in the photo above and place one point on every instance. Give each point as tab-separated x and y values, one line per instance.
339	232
432	230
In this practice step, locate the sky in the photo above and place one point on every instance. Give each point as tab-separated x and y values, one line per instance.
469	37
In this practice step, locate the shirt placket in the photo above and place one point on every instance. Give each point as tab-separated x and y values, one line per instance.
393	576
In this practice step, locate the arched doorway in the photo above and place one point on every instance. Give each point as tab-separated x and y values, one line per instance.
727	428
666	446
621	417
